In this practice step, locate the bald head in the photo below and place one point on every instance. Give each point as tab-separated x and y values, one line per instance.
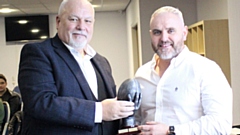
168	9
68	3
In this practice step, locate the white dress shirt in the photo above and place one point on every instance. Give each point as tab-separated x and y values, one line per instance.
192	95
89	73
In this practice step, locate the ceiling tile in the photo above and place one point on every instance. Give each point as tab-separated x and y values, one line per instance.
51	6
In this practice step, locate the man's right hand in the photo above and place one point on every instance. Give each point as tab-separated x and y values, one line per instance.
114	109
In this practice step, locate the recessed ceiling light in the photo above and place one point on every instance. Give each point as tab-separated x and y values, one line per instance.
35	30
43	37
22	21
7	10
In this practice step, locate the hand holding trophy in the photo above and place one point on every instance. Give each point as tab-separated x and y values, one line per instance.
129	91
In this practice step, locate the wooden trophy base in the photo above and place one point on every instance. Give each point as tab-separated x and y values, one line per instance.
128	131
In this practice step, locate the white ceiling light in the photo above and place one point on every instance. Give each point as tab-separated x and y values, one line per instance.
22	21
43	37
96	6
35	30
7	10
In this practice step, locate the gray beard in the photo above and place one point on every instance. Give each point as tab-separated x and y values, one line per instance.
167	56
78	46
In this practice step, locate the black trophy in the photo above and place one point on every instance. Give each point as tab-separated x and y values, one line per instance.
129	91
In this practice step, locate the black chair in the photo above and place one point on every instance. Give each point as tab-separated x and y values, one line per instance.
6	118
15	124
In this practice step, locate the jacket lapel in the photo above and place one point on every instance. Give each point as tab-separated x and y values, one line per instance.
107	78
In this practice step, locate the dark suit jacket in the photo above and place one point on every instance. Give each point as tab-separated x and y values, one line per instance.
57	98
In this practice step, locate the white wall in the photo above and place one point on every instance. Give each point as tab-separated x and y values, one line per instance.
212	9
132	20
109	39
9	58
234	28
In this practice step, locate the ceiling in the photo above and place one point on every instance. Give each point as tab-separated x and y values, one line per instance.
30	7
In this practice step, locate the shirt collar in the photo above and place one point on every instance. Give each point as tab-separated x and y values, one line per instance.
88	50
181	56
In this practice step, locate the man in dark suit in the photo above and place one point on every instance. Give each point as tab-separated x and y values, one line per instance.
67	88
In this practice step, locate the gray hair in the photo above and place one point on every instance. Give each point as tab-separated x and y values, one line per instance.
61	7
63	4
168	9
